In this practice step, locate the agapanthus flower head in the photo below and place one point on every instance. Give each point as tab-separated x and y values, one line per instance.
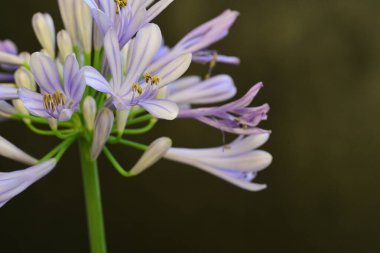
235	117
55	100
126	17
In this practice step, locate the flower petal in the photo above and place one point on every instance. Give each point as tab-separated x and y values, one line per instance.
95	80
74	83
33	101
173	70
144	48
112	51
160	108
45	72
157	8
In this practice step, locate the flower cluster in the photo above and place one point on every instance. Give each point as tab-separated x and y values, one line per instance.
108	75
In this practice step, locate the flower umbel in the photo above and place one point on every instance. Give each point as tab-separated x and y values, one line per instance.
107	77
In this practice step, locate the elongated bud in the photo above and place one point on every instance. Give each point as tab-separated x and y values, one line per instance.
64	43
7	58
103	128
68	17
89	112
83	25
121	120
10	151
154	153
24	79
43	26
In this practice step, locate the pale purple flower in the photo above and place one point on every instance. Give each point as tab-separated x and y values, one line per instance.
102	131
235	117
11	151
192	90
8	93
13	183
198	40
126	17
55	100
237	163
138	87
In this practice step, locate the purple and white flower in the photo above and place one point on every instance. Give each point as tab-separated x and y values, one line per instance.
197	41
126	17
237	163
138	87
235	117
102	131
55	100
13	183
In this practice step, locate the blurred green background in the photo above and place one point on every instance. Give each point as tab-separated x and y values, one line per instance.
319	61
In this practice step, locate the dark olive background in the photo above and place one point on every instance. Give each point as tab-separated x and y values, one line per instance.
320	63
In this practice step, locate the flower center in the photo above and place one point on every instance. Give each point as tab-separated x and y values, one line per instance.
137	87
53	100
120	5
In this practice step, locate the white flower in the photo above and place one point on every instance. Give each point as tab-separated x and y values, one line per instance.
43	26
10	151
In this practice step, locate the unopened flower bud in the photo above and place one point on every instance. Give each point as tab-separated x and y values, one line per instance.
24	79
64	43
89	112
155	152
43	26
102	130
121	120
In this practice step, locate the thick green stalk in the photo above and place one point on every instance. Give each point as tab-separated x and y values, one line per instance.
93	199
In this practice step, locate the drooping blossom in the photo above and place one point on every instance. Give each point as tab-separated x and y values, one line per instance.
235	117
126	17
9	60
13	183
11	151
237	163
138	87
198	40
55	100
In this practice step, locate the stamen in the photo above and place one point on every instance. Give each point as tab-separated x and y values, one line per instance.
120	5
53	100
212	66
137	87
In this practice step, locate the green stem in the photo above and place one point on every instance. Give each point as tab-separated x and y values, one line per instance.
114	140
93	199
115	163
141	119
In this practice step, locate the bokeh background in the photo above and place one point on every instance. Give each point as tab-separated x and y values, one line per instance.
319	61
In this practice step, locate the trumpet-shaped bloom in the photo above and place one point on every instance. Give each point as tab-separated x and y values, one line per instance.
199	39
237	163
126	17
138	87
55	100
235	117
13	183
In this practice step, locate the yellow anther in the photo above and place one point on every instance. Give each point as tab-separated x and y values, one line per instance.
137	87
152	79
53	100
120	4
